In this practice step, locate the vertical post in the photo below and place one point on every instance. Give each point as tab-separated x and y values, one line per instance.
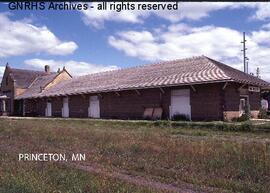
4	105
258	72
23	107
244	51
247	64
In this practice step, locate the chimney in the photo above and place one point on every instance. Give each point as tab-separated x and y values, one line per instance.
47	69
41	89
7	65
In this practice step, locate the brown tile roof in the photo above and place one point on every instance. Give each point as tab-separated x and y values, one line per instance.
196	70
24	78
38	83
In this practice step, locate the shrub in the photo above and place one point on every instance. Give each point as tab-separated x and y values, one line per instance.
180	117
180	124
147	118
162	123
247	114
247	126
235	119
244	117
263	114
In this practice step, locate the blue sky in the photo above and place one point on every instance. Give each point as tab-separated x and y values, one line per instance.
92	41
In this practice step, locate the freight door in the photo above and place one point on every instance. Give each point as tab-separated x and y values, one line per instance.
65	109
94	110
180	103
48	111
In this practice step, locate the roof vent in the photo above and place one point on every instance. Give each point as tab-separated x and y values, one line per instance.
47	69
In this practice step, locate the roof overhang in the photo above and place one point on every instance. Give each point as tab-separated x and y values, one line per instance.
266	88
4	97
123	89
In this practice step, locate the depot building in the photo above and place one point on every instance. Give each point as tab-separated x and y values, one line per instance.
198	88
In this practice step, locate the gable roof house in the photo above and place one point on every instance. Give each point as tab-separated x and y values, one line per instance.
16	82
198	88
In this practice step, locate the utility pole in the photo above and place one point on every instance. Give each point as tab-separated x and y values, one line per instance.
258	72
244	52
247	60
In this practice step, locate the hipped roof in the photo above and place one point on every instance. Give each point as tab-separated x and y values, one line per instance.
195	70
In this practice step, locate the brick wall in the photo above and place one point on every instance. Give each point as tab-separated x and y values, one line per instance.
30	108
131	105
57	105
41	106
208	102
232	97
254	101
78	106
232	101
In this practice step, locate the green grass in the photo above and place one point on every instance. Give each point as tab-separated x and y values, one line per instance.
23	177
232	157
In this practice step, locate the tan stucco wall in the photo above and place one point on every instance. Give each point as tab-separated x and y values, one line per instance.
59	78
19	91
229	115
254	114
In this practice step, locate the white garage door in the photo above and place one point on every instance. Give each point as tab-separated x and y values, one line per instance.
65	109
93	110
180	103
48	111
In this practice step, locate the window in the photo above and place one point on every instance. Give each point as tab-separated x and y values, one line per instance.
6	81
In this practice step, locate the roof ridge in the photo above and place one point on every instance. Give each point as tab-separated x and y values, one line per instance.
143	65
29	70
221	65
218	64
22	69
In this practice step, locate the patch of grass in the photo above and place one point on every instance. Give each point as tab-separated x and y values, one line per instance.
234	157
189	132
22	177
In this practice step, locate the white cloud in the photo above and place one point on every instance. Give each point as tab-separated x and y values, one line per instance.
187	10
193	11
74	67
2	70
266	26
21	37
178	42
181	41
263	11
261	37
96	18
